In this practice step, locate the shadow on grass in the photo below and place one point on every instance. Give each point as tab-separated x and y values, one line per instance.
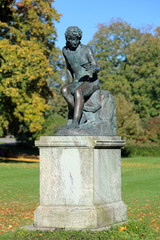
14	161
9	150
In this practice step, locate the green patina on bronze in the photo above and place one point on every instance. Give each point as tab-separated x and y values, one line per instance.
91	112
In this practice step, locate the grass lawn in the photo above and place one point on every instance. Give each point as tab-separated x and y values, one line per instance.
19	197
19	194
141	189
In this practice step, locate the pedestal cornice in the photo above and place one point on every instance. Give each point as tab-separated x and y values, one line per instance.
80	141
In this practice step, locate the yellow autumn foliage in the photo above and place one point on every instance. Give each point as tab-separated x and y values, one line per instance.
25	47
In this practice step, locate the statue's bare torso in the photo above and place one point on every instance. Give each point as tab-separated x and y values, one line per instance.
77	59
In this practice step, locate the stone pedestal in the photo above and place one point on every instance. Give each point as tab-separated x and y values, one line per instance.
80	183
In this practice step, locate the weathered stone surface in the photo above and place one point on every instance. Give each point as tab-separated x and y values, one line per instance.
98	118
80	217
80	182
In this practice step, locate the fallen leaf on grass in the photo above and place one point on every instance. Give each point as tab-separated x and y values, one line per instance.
122	228
154	222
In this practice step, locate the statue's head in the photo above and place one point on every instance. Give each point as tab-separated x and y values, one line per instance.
73	36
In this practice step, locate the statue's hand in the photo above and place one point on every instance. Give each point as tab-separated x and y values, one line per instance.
90	68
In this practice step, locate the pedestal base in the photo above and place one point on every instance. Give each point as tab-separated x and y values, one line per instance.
80	217
80	183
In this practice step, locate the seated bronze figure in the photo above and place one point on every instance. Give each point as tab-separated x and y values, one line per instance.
91	111
82	70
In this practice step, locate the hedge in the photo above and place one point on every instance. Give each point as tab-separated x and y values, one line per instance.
132	150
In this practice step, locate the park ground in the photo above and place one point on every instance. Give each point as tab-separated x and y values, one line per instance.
19	197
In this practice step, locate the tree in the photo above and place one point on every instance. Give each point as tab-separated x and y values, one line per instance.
56	114
142	72
130	61
152	130
128	121
110	44
28	37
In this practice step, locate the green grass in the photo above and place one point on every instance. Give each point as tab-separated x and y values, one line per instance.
140	177
134	231
19	194
141	189
19	197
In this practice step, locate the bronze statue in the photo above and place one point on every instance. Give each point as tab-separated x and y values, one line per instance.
92	111
82	70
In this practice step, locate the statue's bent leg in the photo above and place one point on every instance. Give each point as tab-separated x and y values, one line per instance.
66	93
79	94
79	103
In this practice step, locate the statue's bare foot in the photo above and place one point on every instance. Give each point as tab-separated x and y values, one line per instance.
73	125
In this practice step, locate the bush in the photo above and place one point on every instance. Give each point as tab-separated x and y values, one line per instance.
132	150
128	121
153	129
52	124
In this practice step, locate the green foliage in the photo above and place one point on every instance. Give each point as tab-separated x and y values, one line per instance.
152	130
142	71
57	105
56	115
128	122
130	62
110	44
52	124
27	45
132	150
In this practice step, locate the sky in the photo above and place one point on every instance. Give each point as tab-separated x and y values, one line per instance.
87	14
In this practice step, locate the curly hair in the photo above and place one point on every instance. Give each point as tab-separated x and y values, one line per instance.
73	31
